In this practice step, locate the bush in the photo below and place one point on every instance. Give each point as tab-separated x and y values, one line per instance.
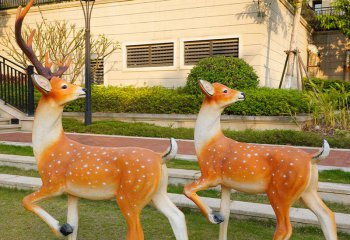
269	102
138	100
230	71
326	84
259	102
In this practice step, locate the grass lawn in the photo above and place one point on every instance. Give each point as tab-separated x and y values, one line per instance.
208	193
295	138
102	220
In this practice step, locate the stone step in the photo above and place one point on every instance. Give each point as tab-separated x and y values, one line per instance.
333	192
4	121
238	209
9	128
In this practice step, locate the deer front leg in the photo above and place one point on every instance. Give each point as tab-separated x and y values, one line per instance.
191	190
41	194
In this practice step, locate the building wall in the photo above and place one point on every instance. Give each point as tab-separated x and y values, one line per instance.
332	46
147	21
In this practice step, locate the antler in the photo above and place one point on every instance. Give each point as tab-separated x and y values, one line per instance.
27	47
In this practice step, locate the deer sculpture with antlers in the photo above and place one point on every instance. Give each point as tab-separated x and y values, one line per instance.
284	173
133	176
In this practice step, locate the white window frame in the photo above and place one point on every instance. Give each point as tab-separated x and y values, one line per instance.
183	40
142	69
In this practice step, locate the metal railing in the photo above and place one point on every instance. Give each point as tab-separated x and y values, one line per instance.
16	87
326	11
8	4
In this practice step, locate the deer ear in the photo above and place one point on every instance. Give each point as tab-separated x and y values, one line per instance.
41	83
206	87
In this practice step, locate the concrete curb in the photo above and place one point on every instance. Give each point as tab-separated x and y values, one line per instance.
238	209
333	192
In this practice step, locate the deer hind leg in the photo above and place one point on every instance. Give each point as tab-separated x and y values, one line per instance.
325	216
162	202
191	192
72	216
131	214
29	204
281	207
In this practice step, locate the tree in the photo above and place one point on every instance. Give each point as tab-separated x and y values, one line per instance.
290	82
338	18
61	41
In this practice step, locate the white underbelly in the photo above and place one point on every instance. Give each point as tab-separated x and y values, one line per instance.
101	193
247	187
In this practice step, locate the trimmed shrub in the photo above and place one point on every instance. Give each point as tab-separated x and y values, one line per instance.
230	71
326	84
138	100
269	102
259	102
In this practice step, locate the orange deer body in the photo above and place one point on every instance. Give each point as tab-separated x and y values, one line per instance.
132	176
283	173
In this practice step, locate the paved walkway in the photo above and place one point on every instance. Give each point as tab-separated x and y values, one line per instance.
338	157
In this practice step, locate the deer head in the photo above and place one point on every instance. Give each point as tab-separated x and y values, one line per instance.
49	83
219	94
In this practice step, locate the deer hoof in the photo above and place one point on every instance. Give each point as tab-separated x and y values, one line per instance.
216	218
66	229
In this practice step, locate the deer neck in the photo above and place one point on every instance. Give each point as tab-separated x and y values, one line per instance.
207	126
47	127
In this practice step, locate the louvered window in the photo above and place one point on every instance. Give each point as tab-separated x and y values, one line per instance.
150	55
197	50
97	70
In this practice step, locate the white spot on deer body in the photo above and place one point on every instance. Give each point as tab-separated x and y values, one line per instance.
244	161
104	153
142	166
255	154
59	162
115	158
126	163
88	173
71	144
106	170
284	176
291	164
50	166
248	155
85	166
52	154
129	171
121	197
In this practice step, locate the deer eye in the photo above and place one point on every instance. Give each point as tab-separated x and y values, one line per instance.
64	87
225	91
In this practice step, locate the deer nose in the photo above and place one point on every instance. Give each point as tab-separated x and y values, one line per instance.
243	94
84	89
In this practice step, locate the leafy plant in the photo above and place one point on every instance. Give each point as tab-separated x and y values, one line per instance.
61	41
230	71
338	18
329	107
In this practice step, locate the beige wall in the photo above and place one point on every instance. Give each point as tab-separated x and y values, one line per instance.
146	21
332	46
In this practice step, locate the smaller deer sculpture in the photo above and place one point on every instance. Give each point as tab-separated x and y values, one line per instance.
133	176
284	173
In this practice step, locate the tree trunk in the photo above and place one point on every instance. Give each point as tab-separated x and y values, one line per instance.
291	81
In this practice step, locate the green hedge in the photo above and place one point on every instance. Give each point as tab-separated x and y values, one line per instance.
327	84
259	102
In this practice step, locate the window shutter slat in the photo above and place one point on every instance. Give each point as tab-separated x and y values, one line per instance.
197	50
150	55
